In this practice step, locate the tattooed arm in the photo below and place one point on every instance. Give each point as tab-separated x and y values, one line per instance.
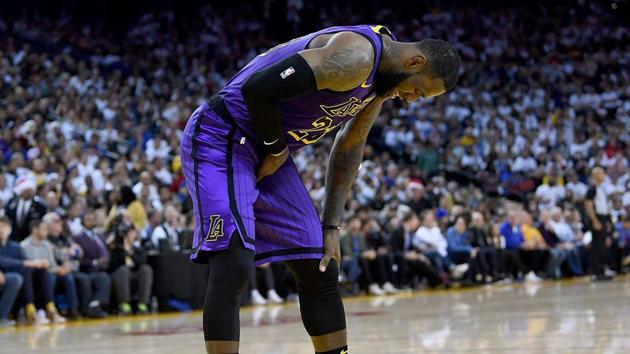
343	63
345	158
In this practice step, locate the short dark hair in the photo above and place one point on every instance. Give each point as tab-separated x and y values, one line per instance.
442	59
408	216
35	223
127	195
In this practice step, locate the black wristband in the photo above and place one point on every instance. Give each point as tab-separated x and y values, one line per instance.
330	227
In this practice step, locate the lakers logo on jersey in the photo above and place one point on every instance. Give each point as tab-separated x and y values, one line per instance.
325	124
216	228
321	127
348	108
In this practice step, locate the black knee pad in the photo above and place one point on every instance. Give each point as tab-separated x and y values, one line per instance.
308	276
229	272
231	269
320	301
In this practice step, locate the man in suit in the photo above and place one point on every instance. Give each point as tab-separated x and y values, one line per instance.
489	260
93	263
24	208
411	261
355	251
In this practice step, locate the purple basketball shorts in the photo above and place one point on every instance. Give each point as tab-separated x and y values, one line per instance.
275	217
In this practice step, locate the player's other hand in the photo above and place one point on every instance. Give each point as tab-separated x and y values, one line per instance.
271	163
331	249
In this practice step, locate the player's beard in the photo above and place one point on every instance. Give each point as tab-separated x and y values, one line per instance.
386	81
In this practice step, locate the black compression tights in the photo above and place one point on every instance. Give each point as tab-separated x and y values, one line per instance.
229	272
320	302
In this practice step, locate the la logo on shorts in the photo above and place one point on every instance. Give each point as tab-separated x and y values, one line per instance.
216	228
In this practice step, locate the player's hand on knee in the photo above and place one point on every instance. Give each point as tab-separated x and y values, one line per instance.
331	249
271	163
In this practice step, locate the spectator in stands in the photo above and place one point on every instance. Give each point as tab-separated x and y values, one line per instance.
381	265
154	222
617	210
350	265
34	274
566	240
622	246
166	236
36	247
556	255
128	204
550	192
94	263
353	244
409	260
66	254
459	242
145	184
512	240
5	191
157	148
461	250
24	208
488	255
534	250
430	240
418	200
10	285
131	276
525	163
575	188
73	217
52	203
10	278
272	295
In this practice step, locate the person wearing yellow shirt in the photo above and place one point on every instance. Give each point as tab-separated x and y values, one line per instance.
126	203
532	238
534	250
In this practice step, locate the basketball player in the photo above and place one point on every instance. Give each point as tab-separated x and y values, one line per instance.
249	201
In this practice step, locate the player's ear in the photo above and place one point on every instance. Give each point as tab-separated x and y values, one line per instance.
416	63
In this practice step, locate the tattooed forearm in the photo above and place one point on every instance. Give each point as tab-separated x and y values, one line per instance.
345	158
342	170
341	68
357	130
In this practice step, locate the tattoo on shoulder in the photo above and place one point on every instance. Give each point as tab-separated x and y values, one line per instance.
341	68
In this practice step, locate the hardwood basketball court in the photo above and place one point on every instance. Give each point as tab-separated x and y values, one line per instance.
552	317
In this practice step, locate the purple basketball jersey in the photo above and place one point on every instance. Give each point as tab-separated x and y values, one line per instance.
309	118
274	217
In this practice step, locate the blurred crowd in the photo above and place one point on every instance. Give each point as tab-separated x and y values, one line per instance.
490	182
